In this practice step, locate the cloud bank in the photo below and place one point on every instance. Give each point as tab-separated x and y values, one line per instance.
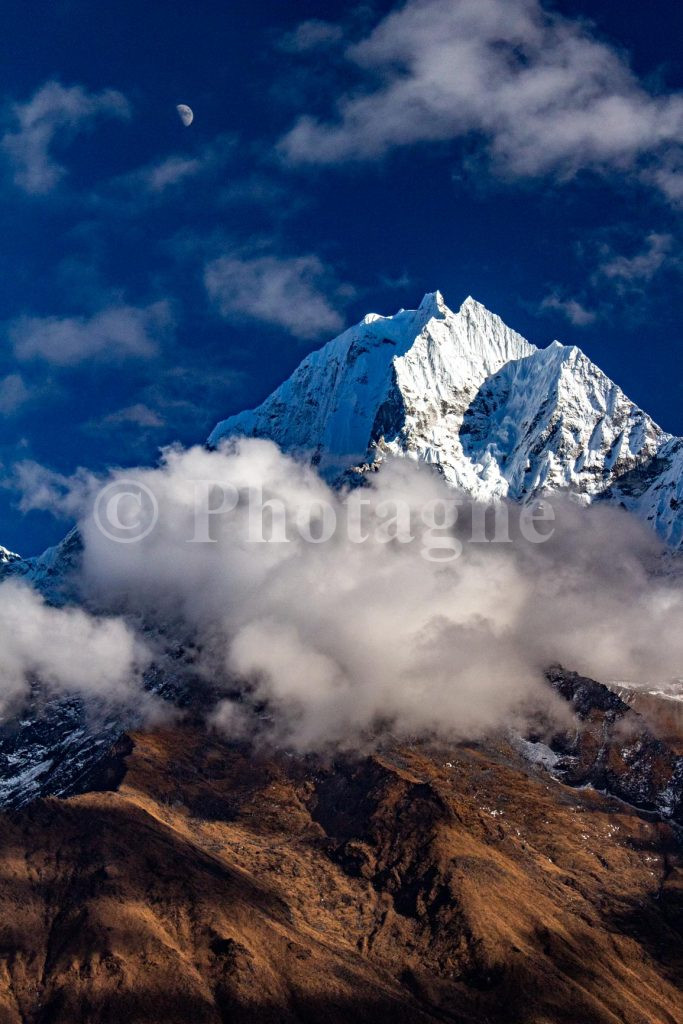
329	643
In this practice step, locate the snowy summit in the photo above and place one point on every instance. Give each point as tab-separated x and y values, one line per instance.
497	416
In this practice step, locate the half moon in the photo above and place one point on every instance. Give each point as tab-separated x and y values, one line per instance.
185	114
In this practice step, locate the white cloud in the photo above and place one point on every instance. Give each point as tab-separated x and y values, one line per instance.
540	91
572	309
115	333
69	650
13	393
642	267
341	637
669	177
289	292
51	118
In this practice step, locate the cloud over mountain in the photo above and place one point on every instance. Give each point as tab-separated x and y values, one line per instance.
67	649
348	610
346	632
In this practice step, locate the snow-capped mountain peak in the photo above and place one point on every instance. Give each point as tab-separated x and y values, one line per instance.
496	415
381	382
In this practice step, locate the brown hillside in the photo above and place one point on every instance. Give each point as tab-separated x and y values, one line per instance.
413	885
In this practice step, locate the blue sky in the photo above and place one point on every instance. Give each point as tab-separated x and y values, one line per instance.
343	159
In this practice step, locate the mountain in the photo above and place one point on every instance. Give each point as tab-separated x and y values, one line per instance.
173	874
497	416
398	383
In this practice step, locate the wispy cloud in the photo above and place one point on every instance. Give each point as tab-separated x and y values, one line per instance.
171	171
46	122
624	279
312	35
572	309
190	397
137	415
68	649
115	333
138	427
177	169
640	268
542	94
291	292
13	393
41	488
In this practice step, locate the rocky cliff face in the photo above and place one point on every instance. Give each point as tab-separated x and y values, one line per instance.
497	416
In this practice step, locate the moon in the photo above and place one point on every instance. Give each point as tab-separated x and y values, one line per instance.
185	114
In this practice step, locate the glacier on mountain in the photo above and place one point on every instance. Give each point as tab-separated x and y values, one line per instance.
495	415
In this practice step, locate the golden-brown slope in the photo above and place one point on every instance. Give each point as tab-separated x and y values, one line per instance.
417	884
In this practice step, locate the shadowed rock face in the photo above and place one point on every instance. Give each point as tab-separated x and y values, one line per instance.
618	750
417	884
52	749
